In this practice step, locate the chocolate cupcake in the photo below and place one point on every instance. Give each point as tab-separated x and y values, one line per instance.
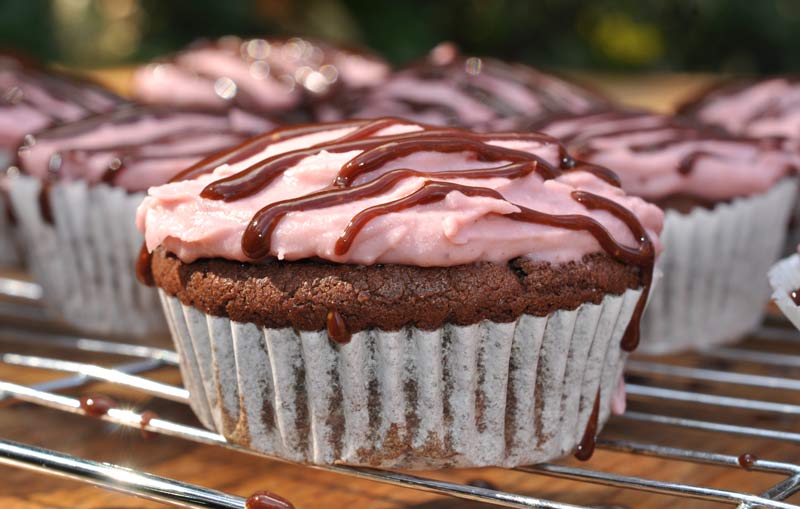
727	200
270	76
32	99
450	89
75	203
393	294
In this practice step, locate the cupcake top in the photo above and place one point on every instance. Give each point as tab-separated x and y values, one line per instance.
658	156
260	75
32	99
764	108
134	147
392	191
477	93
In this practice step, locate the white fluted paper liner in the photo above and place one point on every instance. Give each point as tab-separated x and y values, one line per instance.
714	262
486	394
784	278
85	262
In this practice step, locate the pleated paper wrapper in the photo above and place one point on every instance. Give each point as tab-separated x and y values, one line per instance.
784	277
85	262
714	264
486	394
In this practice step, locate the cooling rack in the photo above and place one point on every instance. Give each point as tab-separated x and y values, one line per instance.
726	392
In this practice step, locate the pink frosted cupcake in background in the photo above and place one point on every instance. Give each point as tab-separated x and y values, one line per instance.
450	89
727	200
398	295
32	98
269	76
75	200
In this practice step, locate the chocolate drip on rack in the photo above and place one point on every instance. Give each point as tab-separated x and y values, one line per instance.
747	460
267	500
378	151
587	445
97	406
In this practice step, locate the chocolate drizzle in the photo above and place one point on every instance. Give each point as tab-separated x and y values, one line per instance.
376	152
586	447
97	406
795	296
267	500
144	422
337	328
747	460
144	271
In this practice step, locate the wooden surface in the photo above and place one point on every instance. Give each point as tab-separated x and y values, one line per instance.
306	488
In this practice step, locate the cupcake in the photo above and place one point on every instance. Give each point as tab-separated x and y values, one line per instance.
727	200
397	295
271	76
75	203
761	109
449	89
32	99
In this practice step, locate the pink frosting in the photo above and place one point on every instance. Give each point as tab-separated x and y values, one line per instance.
256	74
473	92
146	145
766	108
31	99
724	166
458	230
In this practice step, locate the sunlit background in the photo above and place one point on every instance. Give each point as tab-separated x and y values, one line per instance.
732	36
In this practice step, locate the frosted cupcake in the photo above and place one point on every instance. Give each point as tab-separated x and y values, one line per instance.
391	294
727	200
75	203
270	76
32	99
450	89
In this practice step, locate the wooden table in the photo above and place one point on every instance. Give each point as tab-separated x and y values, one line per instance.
307	488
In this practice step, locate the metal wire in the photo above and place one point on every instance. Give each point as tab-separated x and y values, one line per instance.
183	495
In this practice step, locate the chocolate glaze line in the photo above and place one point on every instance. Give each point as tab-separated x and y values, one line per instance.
587	444
337	327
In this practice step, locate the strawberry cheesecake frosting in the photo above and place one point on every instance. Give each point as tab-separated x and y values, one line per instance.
393	191
134	147
658	156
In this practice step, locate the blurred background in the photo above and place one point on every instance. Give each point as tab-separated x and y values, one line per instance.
729	36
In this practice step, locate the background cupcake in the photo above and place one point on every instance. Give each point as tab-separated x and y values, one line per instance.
75	201
269	76
389	294
451	89
31	99
726	198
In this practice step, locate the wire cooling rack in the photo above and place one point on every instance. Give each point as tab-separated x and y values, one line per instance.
725	392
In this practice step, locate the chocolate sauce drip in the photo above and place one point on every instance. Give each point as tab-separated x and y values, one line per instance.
45	207
97	406
586	447
267	500
337	328
795	296
747	460
144	270
144	422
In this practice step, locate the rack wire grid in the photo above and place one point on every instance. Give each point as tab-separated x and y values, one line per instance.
718	393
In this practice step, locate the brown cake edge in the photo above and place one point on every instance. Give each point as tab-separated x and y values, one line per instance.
279	294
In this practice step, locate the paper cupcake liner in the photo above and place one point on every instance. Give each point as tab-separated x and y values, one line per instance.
85	262
486	394
784	278
714	263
